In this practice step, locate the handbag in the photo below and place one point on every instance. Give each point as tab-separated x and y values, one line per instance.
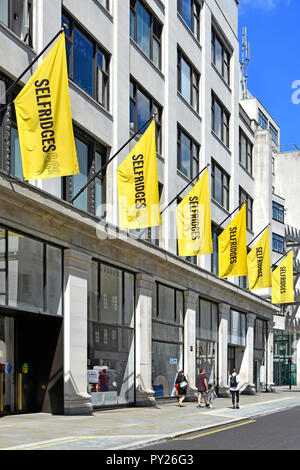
183	384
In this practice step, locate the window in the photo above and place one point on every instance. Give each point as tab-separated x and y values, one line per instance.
207	320
237	328
104	3
31	273
262	120
92	157
245	152
220	120
220	185
188	81
167	339
187	154
146	31
274	133
17	16
278	212
277	243
88	63
220	56
244	197
190	12
142	107
110	335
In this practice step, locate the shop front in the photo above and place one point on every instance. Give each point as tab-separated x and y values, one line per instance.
167	339
285	358
111	358
31	320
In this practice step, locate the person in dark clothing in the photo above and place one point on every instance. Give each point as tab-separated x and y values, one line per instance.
234	387
202	387
181	387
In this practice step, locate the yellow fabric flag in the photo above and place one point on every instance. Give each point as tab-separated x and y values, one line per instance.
44	119
259	263
138	184
283	282
233	247
193	220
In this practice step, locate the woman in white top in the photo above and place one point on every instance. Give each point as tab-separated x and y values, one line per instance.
234	387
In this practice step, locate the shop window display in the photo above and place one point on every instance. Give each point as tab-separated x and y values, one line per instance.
110	336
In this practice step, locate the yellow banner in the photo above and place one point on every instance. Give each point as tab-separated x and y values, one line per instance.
259	263
233	247
44	119
138	184
283	282
193	220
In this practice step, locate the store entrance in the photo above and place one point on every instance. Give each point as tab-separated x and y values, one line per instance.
32	369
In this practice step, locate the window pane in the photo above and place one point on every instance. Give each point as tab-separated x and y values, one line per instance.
25	272
4	12
15	156
111	295
243	156
54	280
132	18
205	319
218	119
162	332
218	55
167	360
129	300
143	29
185	155
166	303
185	80
93	308
2	267
179	307
218	190
99	162
111	353
143	109
186	12
78	181
83	61
156	52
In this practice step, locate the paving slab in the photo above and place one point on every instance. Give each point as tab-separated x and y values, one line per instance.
133	428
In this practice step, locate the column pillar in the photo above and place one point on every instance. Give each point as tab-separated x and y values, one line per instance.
247	363
76	398
143	338
269	356
224	311
190	305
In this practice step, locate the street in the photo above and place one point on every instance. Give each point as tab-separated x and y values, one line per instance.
276	431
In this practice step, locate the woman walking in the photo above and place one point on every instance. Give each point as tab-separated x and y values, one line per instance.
181	386
234	387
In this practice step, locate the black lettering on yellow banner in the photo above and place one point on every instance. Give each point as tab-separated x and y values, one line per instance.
233	245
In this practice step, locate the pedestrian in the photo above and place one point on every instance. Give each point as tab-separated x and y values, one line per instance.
211	395
234	387
202	387
181	387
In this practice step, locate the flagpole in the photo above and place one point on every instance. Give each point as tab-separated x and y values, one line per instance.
258	235
177	195
275	264
219	226
34	60
108	162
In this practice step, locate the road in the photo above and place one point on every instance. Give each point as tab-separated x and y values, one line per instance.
276	431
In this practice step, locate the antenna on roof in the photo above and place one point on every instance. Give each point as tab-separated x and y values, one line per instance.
244	63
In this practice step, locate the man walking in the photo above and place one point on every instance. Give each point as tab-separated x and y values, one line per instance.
234	387
202	387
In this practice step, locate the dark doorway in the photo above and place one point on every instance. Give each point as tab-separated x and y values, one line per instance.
39	360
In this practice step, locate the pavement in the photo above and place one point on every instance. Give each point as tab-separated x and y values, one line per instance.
134	428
